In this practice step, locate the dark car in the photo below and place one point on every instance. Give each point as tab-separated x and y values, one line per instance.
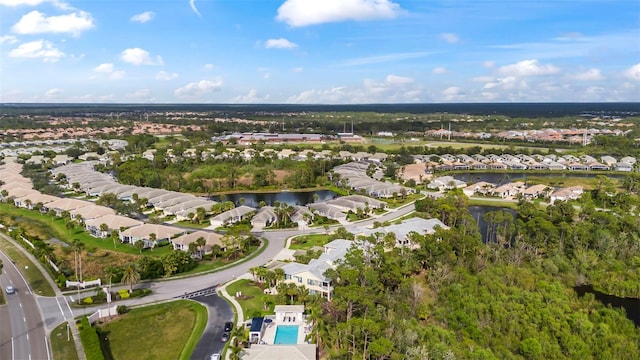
225	337
228	326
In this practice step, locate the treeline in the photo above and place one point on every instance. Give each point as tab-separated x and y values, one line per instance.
455	297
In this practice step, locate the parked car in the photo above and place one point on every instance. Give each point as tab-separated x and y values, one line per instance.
225	337
215	356
10	289
228	326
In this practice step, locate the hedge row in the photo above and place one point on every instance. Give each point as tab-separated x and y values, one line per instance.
90	340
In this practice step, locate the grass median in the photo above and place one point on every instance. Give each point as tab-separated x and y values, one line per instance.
34	277
62	344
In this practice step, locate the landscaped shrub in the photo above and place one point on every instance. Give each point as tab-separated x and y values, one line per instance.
122	309
88	300
124	294
90	340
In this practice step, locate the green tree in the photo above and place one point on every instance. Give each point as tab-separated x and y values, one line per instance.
130	276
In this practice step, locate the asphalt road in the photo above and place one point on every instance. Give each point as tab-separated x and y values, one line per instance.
23	335
219	312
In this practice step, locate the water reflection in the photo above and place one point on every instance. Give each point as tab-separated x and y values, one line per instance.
291	198
630	305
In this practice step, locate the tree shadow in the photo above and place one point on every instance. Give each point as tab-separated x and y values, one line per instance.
105	345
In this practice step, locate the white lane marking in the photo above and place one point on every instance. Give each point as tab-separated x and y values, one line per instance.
46	345
23	279
20	305
69	307
24	318
27	336
13	349
60	307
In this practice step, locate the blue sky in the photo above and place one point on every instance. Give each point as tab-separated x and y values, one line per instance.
319	51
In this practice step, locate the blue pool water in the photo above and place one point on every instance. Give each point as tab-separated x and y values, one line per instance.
286	334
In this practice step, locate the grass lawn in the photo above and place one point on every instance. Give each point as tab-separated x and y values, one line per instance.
493	202
59	230
60	347
36	279
399	202
164	331
306	242
251	302
190	224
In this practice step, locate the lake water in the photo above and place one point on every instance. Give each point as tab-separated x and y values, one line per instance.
288	197
478	211
630	305
499	178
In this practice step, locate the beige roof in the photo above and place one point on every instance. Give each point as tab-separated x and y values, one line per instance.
38	197
279	352
114	222
211	238
68	204
161	231
19	191
93	211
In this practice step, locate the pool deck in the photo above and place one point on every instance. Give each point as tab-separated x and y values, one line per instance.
269	330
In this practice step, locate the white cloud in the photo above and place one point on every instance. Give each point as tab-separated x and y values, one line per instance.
142	94
451	38
453	93
143	17
163	75
633	72
192	3
488	64
104	68
376	59
109	70
54	93
298	13
395	79
528	68
250	98
483	79
393	89
589	75
208	67
280	43
439	70
37	49
36	22
14	3
199	89
297	69
137	56
8	39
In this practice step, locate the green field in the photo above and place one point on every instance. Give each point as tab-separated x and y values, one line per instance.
34	277
62	348
165	331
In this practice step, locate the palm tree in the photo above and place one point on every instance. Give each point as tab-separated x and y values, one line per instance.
78	246
104	228
130	276
201	242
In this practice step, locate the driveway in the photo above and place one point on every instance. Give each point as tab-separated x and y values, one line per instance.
219	312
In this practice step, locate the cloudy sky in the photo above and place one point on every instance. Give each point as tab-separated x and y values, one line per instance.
319	51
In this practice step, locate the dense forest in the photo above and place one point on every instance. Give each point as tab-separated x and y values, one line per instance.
511	298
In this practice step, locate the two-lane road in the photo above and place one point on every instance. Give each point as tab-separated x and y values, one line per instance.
22	334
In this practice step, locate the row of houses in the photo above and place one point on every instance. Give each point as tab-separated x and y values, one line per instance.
83	178
250	153
354	175
449	162
514	189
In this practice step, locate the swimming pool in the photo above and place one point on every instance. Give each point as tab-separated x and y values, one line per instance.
286	334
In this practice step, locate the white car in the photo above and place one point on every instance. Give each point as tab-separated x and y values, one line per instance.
215	357
10	289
